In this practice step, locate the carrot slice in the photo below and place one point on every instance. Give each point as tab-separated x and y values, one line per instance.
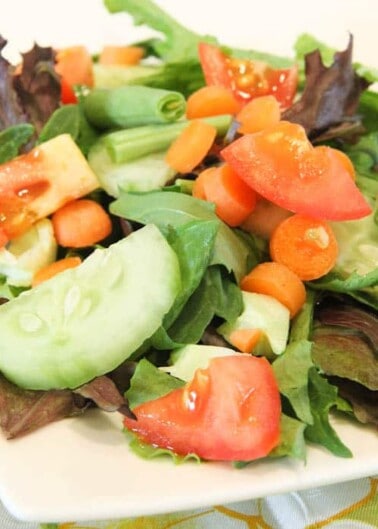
81	223
191	146
258	114
245	339
306	245
198	190
55	268
233	198
276	280
264	218
74	64
211	101
121	55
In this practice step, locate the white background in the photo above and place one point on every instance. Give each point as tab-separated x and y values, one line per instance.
260	24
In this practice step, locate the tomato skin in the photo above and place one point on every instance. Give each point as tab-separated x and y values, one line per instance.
228	412
247	79
280	164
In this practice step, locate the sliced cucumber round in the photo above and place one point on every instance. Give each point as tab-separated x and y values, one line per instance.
86	321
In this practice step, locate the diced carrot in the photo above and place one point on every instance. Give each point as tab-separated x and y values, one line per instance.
81	223
198	190
306	245
55	268
191	146
276	280
245	339
258	114
121	55
211	101
264	218
74	65
233	198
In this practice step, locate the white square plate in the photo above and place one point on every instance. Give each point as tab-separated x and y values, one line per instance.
80	469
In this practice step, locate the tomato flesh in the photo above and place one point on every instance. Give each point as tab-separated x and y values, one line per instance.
247	79
229	411
21	182
280	164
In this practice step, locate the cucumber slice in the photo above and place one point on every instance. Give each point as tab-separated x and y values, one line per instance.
143	174
87	320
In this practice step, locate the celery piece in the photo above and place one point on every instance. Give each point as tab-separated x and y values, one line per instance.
144	174
129	144
132	106
113	76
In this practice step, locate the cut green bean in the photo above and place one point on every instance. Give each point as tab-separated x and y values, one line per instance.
132	106
130	144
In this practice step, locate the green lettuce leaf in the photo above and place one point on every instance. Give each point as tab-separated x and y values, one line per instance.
168	208
291	370
323	398
13	138
149	383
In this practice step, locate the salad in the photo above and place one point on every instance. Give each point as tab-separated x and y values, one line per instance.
189	238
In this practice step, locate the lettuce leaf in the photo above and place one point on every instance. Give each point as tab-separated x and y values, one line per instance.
324	398
169	208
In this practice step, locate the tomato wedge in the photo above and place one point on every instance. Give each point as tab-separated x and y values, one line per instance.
280	164
228	412
247	79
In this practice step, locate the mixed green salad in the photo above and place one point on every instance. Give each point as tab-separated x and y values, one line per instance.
221	297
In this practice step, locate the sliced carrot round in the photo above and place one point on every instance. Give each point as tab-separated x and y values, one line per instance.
211	101
81	223
233	198
198	190
305	245
264	218
276	280
191	146
258	114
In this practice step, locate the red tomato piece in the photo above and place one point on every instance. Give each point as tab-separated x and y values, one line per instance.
280	164
21	182
228	412
247	78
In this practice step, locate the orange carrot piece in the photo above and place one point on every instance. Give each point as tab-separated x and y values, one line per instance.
75	66
276	280
81	223
264	218
233	198
55	268
305	245
211	101
121	55
258	114
191	146
245	339
198	190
